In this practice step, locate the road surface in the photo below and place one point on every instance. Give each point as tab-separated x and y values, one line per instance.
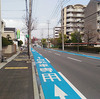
82	72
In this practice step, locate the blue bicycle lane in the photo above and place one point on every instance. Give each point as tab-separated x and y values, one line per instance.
53	84
93	57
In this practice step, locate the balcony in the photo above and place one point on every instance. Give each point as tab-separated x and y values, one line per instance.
69	15
98	18
70	25
78	10
98	26
70	10
75	10
82	33
69	30
78	15
70	20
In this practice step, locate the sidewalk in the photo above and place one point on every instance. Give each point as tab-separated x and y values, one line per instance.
16	79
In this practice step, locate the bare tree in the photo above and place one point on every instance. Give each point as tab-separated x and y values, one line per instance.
89	35
29	23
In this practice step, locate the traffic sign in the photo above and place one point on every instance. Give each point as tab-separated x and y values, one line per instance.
27	36
53	84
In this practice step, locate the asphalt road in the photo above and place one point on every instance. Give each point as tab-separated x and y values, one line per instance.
82	72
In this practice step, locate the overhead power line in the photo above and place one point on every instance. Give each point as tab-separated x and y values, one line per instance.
13	10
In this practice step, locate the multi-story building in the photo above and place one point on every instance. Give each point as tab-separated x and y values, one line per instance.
57	30
72	19
92	22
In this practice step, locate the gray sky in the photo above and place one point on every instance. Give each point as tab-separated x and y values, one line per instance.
13	12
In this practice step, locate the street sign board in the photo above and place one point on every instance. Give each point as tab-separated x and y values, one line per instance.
18	34
53	84
27	36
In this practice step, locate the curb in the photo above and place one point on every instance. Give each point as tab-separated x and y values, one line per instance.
35	86
38	92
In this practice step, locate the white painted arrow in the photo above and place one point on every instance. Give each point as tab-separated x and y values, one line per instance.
60	93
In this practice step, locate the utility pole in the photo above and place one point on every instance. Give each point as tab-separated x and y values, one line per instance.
54	33
62	26
78	36
0	36
42	34
29	26
48	34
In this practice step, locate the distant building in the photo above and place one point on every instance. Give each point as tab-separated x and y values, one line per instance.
10	32
72	16
57	30
92	22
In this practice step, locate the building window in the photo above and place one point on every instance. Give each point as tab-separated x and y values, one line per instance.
67	33
67	37
98	30
98	6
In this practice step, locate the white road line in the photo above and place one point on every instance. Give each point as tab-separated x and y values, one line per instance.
57	54
73	87
47	60
74	59
40	54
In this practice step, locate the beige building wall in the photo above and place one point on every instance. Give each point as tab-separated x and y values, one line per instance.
64	21
10	33
9	49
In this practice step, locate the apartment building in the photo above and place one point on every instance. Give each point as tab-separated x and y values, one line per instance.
57	30
92	22
72	19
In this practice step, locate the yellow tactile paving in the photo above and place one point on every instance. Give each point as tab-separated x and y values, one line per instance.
20	59
16	67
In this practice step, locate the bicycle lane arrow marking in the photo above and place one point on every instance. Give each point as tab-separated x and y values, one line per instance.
60	93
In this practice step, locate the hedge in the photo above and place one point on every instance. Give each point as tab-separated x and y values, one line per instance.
89	49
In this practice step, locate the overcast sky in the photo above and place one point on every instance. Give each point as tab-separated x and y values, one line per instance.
13	12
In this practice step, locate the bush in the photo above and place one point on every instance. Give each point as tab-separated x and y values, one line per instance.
20	43
89	49
44	43
6	42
